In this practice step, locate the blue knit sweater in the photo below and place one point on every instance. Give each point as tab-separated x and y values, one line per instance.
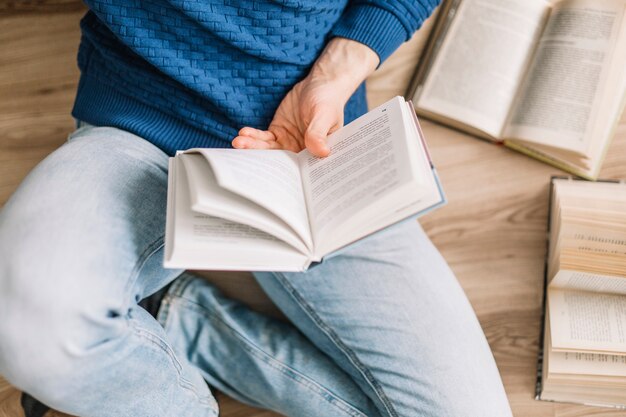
191	73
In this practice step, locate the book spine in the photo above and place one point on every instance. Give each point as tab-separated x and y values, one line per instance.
539	380
420	132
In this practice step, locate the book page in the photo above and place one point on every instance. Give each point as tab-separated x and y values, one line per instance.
587	321
207	197
580	363
586	281
587	234
593	235
482	61
199	241
561	93
269	178
371	175
597	246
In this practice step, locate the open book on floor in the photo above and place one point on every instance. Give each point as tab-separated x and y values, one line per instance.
548	80
584	341
262	210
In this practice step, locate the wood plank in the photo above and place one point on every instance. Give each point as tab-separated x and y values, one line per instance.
9	400
13	7
38	77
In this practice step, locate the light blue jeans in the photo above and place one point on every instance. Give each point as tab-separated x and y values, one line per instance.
381	328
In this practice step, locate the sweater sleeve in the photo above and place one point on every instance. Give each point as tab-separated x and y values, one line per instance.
383	25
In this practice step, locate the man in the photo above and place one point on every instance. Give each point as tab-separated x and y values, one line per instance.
380	328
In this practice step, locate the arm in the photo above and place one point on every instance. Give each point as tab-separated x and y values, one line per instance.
367	33
314	107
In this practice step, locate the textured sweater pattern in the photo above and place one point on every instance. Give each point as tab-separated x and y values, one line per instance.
190	73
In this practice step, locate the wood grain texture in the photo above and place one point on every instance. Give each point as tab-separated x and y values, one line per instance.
492	232
38	77
14	7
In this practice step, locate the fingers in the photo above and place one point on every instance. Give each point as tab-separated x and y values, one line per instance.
276	137
284	134
251	138
257	134
246	142
320	127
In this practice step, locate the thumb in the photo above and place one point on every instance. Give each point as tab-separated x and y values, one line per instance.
315	135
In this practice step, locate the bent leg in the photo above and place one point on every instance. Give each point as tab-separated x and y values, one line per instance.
391	314
256	359
80	244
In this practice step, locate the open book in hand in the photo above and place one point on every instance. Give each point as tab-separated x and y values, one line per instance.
260	210
545	79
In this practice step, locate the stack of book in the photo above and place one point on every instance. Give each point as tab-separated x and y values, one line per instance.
584	342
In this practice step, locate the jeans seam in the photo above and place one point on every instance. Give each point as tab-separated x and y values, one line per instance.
336	340
178	287
182	381
150	250
162	344
284	369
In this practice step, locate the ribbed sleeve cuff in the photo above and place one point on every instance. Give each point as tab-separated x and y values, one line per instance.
373	26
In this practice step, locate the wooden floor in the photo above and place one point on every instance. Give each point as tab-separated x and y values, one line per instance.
492	232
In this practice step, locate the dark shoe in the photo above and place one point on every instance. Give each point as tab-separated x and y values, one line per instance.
152	303
33	407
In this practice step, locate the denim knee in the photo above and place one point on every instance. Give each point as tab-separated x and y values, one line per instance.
29	352
46	327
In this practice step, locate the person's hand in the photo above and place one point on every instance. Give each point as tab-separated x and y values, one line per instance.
308	113
313	108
